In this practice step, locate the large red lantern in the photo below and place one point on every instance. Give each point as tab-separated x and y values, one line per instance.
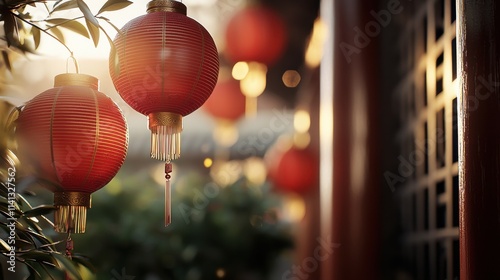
165	66
255	34
168	67
226	102
293	170
76	137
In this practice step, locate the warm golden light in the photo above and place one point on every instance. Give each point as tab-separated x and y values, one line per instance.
314	51
207	162
226	173
254	83
301	140
291	78
225	134
255	170
301	121
240	70
220	273
294	208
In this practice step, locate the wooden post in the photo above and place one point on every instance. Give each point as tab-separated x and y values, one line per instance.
479	154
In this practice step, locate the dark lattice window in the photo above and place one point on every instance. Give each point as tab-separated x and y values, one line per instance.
428	138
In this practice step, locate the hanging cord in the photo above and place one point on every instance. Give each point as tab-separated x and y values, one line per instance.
69	251
75	63
168	194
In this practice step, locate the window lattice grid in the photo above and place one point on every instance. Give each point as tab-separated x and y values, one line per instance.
428	139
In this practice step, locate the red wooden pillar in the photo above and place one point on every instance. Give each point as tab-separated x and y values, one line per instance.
356	177
479	165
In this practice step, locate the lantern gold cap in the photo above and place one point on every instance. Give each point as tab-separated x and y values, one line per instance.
166	6
71	211
74	79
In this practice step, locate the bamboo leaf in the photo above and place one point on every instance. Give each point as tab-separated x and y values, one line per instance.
111	24
94	32
38	256
64	6
89	17
82	260
33	272
6	60
9	28
36	36
76	27
5	245
72	25
67	265
39	210
113	5
57	32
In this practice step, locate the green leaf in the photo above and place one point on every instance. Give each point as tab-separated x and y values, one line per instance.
66	265
36	36
39	257
113	5
89	17
94	32
6	60
64	6
82	260
33	272
39	210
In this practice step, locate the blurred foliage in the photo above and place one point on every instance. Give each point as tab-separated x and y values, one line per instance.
233	232
23	31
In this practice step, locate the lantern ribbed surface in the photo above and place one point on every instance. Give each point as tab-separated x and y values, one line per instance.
167	63
76	138
255	34
76	135
226	102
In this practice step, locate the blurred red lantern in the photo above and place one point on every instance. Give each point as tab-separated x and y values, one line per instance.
255	34
226	102
165	66
294	169
77	138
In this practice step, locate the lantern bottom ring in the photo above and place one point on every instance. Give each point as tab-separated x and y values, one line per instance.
71	211
166	131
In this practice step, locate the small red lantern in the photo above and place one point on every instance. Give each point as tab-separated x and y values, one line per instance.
168	67
294	170
255	34
77	138
226	102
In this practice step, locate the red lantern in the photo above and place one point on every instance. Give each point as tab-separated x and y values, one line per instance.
77	138
168	67
255	34
165	66
226	102
294	170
